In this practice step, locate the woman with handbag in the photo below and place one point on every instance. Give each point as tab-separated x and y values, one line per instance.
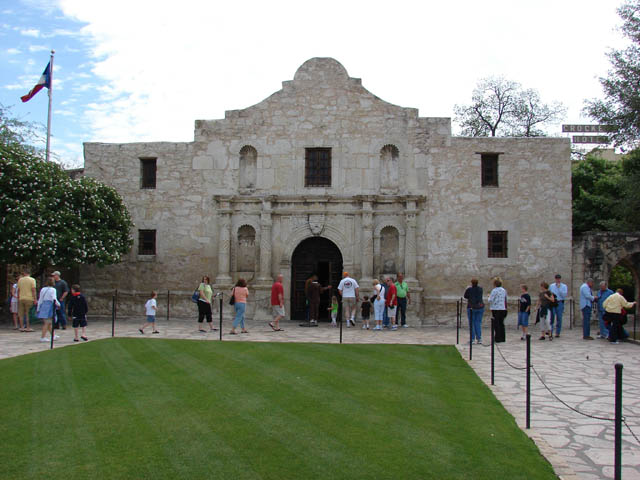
205	293
239	295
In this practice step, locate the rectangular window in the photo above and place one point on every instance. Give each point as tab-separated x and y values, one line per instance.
498	244
489	169
148	173
317	167
146	242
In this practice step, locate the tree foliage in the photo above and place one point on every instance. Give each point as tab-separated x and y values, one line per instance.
605	194
621	105
500	107
47	218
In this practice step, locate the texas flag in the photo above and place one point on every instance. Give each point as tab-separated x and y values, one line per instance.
45	81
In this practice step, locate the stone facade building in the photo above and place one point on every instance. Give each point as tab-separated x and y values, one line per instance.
323	176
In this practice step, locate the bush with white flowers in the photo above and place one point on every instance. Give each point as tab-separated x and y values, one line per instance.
47	218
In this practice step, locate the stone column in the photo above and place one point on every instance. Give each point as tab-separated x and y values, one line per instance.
224	243
376	253
264	277
410	253
367	241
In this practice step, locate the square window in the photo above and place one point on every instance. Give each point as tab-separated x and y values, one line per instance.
498	244
146	242
148	173
489	169
317	167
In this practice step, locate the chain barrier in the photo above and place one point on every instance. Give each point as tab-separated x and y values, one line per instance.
566	404
507	361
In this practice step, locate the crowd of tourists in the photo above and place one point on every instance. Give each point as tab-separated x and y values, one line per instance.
387	302
52	306
549	310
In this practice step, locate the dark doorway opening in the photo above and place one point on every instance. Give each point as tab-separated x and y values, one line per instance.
317	256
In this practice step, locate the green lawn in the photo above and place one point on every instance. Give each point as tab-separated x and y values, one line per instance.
153	409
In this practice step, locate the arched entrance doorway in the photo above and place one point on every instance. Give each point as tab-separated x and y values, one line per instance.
318	256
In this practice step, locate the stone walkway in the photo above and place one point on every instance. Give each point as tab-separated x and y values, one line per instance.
579	372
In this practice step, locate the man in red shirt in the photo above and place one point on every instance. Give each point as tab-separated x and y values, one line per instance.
392	302
277	303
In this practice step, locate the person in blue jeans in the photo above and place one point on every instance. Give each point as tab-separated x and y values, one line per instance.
586	300
524	311
602	295
475	310
561	291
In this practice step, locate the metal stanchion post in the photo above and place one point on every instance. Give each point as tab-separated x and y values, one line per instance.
341	311
221	295
617	468
457	322
470	343
113	316
528	380
493	334
168	303
53	330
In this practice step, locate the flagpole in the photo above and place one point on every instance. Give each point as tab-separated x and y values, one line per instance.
49	112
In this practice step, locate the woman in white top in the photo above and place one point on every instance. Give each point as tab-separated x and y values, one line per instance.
13	307
498	307
378	303
47	304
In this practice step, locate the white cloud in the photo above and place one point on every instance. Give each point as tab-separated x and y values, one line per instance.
30	32
37	48
13	51
161	67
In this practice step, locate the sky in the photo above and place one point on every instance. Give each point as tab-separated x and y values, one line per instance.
139	70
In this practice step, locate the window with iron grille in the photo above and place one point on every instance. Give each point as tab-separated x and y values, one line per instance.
146	242
148	173
498	244
489	169
317	167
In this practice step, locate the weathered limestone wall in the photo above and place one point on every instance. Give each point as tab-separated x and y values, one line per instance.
403	193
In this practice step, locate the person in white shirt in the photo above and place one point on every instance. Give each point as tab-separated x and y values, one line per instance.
47	304
350	292
561	291
498	307
151	307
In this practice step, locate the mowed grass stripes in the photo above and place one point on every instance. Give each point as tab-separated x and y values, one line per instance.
156	409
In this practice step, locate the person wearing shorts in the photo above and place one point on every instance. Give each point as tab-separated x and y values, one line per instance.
26	299
350	292
151	307
77	309
277	303
524	311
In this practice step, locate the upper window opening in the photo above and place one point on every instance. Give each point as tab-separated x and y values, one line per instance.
489	169
317	169
147	173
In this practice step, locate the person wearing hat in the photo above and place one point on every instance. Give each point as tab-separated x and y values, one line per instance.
62	290
561	291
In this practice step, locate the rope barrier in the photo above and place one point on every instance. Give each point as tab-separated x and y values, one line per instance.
507	361
566	404
624	420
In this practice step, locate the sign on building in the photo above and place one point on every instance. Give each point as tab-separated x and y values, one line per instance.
590	139
588	129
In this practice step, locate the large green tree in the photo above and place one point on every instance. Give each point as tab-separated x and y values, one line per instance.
47	218
605	194
500	107
621	105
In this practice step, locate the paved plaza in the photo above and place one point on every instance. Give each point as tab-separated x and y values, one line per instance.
579	372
